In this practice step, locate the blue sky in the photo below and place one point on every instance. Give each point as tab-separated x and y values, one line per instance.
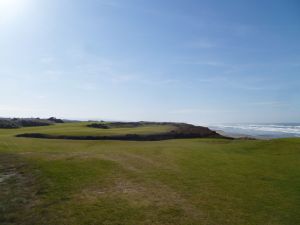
191	61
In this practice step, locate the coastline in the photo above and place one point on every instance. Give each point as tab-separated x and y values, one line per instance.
259	131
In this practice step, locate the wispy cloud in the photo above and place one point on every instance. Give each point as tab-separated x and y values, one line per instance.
197	110
97	70
41	97
110	3
12	108
159	81
268	104
121	78
87	87
47	60
201	43
203	62
91	71
212	79
245	83
206	63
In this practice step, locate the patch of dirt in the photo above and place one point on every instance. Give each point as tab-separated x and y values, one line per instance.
17	189
6	175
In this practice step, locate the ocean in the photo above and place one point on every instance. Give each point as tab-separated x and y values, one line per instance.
258	130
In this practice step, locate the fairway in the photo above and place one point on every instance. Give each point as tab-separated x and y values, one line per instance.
184	182
80	128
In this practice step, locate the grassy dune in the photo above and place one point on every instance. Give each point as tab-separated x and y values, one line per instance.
182	182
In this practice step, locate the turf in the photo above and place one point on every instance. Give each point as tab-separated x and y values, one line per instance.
184	182
81	129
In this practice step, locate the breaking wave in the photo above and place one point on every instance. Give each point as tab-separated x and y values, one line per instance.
284	130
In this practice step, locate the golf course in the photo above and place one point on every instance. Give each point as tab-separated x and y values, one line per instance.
182	181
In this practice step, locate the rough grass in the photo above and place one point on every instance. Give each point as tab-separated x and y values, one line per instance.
184	182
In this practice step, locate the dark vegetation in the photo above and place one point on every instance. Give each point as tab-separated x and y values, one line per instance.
180	131
98	125
5	123
55	120
8	123
106	125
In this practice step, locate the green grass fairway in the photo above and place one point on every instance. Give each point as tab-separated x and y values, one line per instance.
173	182
81	129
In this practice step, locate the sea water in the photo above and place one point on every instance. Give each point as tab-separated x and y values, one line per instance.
274	130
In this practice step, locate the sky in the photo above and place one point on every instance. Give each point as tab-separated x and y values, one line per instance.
196	61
